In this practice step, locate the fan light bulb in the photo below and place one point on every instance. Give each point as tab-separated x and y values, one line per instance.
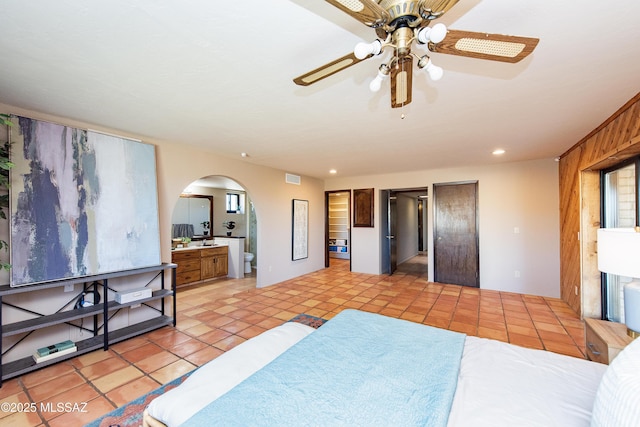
435	72
434	34
376	83
362	50
438	33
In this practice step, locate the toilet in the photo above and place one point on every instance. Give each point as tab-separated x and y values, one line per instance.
248	257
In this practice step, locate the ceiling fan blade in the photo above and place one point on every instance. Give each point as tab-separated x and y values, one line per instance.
495	47
366	11
401	78
433	9
328	69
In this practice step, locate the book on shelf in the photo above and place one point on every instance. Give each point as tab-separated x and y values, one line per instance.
54	355
45	351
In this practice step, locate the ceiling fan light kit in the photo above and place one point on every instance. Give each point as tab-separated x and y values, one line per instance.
433	35
363	50
383	73
398	23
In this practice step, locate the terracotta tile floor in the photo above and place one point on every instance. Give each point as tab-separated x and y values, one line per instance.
214	317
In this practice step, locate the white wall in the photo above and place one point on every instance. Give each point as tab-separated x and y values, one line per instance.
522	195
407	227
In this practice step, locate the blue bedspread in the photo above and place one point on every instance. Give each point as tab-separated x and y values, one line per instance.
358	369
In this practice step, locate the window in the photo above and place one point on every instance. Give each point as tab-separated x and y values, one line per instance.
235	203
619	209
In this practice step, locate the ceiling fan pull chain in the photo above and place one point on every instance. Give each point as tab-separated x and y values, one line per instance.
402	116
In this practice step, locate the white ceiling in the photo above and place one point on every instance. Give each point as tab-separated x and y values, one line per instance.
219	75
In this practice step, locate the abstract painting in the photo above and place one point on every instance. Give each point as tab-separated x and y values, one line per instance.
82	203
300	230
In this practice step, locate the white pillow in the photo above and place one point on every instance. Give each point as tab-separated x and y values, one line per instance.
617	402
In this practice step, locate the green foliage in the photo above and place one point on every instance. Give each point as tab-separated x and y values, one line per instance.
5	166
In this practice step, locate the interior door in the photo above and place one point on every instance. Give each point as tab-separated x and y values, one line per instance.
391	237
455	233
388	254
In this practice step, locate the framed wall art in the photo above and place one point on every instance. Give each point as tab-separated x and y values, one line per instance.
363	207
300	230
82	203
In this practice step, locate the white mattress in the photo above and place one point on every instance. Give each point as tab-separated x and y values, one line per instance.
499	384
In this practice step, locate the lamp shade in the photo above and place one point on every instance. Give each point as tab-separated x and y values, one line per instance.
619	251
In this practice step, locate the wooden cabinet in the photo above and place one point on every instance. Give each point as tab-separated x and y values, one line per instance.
604	339
188	262
214	262
198	264
221	262
207	267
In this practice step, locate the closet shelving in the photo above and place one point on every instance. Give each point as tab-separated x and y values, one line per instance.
339	225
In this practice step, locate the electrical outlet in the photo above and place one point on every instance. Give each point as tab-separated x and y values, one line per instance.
517	273
516	230
575	289
68	287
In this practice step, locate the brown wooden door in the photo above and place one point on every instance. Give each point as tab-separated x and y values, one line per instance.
455	228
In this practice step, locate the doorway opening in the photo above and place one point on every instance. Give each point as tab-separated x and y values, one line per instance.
338	227
404	238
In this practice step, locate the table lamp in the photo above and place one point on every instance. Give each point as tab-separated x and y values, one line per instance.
619	253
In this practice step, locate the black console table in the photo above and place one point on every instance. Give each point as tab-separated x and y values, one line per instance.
100	338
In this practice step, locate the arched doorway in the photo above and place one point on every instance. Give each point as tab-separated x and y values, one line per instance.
213	211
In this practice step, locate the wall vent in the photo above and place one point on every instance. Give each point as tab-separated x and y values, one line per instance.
292	179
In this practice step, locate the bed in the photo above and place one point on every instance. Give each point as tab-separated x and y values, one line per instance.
366	369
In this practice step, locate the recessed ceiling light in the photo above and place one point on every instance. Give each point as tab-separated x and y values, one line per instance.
244	154
333	171
498	152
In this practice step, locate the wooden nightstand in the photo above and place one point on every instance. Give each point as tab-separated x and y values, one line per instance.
604	339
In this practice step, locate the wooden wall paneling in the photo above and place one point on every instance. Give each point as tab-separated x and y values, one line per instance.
569	229
616	139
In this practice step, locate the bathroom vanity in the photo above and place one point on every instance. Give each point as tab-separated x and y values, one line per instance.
198	263
209	259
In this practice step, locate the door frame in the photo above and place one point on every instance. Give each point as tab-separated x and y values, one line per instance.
434	232
327	258
386	226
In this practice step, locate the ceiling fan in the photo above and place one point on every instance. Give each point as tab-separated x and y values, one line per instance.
400	23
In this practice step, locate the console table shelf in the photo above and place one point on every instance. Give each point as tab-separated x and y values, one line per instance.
99	340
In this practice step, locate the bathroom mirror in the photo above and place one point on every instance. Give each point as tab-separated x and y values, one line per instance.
192	216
